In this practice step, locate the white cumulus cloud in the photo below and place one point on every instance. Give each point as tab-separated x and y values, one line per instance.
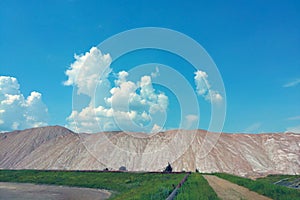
294	129
253	128
86	70
156	129
191	121
156	73
203	87
18	112
294	118
127	106
292	83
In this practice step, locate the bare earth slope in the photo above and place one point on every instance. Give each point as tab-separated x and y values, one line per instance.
242	154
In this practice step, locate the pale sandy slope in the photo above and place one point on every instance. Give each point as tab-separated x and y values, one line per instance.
230	191
56	147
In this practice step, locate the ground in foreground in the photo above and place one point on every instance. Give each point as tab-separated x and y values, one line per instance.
28	191
129	185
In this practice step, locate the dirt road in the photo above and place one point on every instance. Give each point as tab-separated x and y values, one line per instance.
230	191
25	191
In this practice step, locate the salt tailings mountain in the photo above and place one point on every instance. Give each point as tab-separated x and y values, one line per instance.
56	147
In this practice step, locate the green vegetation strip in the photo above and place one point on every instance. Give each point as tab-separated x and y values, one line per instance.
277	178
124	185
196	187
264	186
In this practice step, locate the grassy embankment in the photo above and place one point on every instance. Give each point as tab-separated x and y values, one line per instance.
150	185
196	187
265	186
123	185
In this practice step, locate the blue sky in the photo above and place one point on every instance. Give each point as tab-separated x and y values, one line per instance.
255	45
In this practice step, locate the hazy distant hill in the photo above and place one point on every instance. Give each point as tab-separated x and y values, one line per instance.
56	147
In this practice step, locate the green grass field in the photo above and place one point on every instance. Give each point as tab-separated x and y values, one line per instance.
127	185
196	187
276	178
265	186
124	185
